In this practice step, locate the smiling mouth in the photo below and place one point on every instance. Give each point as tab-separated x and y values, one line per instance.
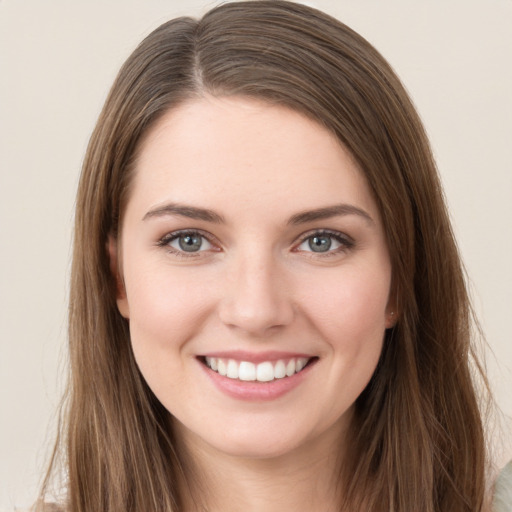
266	371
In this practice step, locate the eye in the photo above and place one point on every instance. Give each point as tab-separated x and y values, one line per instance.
325	242
186	242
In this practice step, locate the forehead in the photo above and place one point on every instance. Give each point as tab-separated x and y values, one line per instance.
241	152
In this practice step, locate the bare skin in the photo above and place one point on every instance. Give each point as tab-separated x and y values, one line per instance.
302	481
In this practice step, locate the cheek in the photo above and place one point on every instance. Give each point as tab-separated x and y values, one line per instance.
349	311
167	308
161	297
350	315
349	304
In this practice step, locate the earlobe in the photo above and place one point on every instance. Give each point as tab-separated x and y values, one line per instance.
115	270
392	308
391	319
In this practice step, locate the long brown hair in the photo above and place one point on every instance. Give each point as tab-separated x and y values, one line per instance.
417	435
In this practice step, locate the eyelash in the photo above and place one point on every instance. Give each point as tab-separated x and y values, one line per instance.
166	240
346	242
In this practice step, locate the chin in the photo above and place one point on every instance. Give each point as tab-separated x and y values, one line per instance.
263	438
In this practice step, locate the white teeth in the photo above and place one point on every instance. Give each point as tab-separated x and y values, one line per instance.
246	371
279	370
301	362
221	367
263	372
232	371
290	368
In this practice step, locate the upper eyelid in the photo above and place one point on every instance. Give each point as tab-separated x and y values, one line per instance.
178	232
332	232
172	235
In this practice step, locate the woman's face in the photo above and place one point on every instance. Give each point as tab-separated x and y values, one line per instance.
256	276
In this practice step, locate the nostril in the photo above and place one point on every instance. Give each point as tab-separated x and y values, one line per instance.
256	316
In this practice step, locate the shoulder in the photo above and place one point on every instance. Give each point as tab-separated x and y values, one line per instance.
503	490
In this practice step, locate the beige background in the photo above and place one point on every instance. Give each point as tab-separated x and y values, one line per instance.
57	61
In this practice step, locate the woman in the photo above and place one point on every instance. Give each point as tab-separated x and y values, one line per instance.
268	310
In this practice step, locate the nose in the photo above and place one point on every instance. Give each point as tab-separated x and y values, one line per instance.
256	299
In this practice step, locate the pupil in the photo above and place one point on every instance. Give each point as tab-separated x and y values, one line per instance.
320	243
190	243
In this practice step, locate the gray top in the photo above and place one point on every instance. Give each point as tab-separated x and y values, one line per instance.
503	491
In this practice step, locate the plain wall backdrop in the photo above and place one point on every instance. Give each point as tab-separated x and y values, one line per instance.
57	62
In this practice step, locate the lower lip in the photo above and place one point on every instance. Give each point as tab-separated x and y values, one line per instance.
254	390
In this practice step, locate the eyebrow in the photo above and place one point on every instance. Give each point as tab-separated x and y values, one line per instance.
190	212
329	212
193	212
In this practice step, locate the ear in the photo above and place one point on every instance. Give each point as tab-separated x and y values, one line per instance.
391	318
392	309
115	269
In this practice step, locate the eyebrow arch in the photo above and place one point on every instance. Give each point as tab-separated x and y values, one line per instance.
328	212
191	212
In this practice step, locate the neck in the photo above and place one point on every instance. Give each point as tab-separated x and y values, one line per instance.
305	479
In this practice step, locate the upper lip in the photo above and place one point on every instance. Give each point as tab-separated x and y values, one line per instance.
256	357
